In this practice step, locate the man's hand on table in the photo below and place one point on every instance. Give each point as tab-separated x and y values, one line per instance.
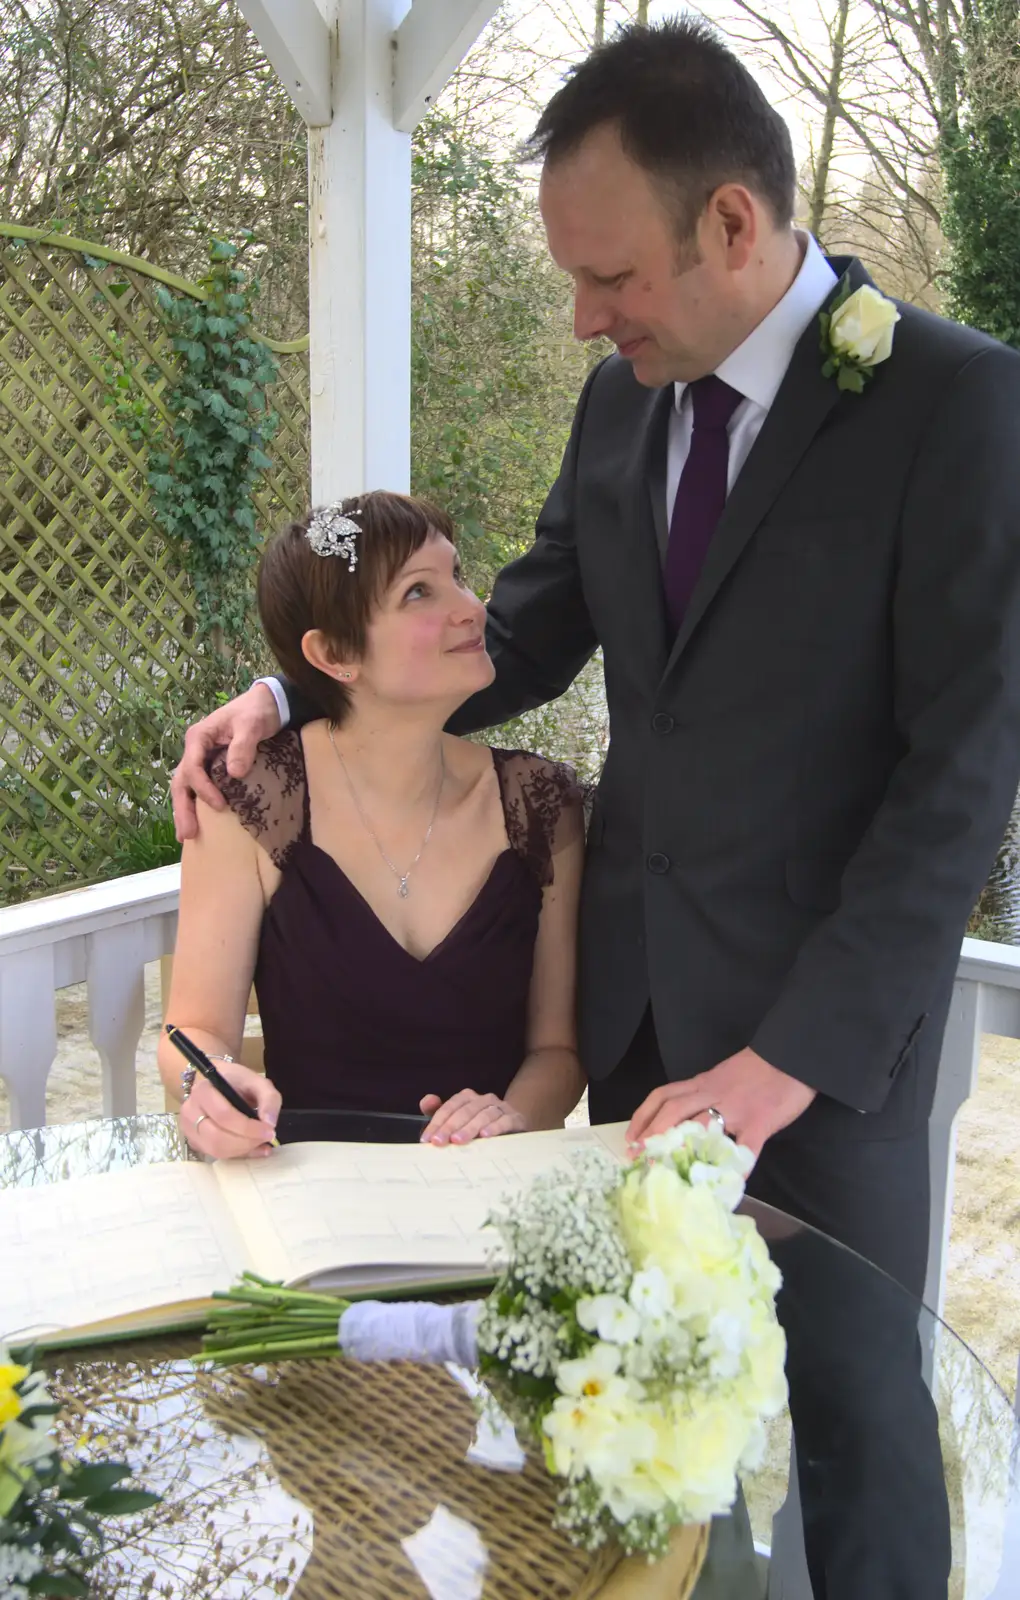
754	1099
242	725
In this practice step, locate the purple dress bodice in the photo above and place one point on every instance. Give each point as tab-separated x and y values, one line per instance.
351	1019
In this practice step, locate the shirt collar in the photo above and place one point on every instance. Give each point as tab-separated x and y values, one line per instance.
757	367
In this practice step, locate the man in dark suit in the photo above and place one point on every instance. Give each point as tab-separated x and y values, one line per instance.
804	574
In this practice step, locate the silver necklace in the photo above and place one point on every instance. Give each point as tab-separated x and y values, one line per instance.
403	883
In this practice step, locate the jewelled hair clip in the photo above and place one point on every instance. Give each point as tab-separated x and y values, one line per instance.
332	533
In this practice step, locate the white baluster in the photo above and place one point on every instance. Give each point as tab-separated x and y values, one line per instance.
28	1032
116	988
957	1080
788	1577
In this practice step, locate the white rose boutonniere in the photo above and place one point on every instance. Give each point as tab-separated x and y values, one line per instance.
857	333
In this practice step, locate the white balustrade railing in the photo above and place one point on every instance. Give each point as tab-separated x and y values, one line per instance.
104	935
986	999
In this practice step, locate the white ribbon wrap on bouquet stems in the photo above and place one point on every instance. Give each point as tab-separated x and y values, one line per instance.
411	1330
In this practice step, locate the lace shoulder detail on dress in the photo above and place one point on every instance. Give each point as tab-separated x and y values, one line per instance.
271	802
543	805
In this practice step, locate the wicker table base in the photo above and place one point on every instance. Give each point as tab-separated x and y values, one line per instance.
327	1468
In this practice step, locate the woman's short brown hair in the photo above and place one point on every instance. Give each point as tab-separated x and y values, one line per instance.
299	590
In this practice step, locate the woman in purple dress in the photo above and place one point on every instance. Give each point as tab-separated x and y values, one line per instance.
405	901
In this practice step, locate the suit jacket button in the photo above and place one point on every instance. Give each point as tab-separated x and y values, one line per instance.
662	722
658	863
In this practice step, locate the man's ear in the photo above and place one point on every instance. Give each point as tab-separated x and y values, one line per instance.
317	648
732	224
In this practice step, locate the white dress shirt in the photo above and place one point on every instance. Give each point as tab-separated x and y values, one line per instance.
276	689
755	369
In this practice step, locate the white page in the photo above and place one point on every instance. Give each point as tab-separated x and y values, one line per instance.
311	1208
117	1243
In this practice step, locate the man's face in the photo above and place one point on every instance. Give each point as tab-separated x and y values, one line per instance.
673	312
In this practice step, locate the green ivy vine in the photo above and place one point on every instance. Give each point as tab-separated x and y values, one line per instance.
204	469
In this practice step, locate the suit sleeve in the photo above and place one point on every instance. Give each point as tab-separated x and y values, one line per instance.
538	633
300	708
864	981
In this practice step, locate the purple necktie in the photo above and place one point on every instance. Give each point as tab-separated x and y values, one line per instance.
701	494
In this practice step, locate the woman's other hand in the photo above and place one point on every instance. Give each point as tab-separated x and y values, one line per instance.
212	1126
466	1116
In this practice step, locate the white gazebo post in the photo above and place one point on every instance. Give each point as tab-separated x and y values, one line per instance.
361	73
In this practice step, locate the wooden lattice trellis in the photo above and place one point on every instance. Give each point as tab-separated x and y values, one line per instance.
91	604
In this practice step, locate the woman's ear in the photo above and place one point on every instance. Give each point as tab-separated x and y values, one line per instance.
317	648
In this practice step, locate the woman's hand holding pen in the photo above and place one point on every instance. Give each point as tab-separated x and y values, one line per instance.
212	1126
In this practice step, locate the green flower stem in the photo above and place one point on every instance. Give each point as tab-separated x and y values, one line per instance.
269	1327
301	1315
259	1290
287	1350
268	1335
258	1321
270	1331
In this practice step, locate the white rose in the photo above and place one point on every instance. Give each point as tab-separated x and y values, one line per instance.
697	1450
687	1233
762	1388
862	327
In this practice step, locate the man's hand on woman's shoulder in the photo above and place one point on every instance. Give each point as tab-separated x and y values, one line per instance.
241	725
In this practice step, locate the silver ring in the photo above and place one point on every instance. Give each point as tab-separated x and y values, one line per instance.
717	1118
200	1119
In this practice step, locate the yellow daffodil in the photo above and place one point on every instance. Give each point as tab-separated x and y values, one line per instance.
10	1401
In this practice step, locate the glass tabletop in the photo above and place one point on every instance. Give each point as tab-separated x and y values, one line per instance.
314	1480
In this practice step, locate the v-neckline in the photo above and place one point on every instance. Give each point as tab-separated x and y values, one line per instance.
419	961
441	944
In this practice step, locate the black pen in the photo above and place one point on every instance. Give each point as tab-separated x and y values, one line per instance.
201	1063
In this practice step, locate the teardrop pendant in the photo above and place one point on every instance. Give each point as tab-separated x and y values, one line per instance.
403	889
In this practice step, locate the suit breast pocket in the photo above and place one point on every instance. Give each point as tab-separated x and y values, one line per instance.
816	583
818	537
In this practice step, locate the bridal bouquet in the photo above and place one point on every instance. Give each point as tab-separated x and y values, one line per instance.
50	1510
631	1334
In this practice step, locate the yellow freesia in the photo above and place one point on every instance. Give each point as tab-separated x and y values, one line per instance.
10	1401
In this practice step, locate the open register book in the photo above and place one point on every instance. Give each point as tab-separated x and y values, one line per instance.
142	1250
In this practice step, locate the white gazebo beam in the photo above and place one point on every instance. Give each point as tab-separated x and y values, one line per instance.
362	73
431	42
359	229
296	39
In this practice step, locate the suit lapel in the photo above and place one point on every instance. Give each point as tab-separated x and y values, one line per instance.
646	496
658	462
801	406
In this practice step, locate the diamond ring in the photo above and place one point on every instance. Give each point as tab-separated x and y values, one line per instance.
716	1118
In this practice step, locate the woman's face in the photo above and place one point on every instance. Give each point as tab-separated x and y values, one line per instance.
426	640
